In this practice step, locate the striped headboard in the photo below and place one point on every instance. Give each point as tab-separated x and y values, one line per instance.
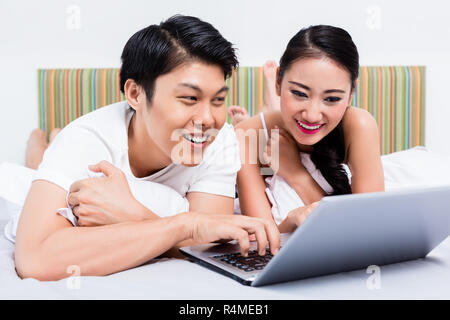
394	95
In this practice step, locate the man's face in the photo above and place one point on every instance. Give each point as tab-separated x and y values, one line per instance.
186	111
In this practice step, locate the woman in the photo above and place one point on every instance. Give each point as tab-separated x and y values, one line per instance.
170	132
314	133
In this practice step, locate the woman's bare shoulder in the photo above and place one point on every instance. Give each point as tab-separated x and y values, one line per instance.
358	125
357	119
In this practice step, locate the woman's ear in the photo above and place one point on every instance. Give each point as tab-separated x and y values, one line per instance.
134	94
277	82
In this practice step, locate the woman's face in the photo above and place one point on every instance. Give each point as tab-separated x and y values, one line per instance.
186	111
314	94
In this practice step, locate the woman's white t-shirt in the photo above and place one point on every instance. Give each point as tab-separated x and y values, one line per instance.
103	135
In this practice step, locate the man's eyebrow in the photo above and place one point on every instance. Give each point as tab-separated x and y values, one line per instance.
307	88
190	85
223	89
197	88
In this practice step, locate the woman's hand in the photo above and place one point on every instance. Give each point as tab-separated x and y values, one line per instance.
210	228
296	217
104	200
283	155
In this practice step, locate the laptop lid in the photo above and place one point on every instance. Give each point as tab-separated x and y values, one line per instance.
346	233
355	231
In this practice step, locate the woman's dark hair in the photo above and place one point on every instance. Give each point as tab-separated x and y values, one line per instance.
158	49
336	44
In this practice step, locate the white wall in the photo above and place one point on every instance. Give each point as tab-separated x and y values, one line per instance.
35	34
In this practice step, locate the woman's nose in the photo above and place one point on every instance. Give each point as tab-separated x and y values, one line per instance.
312	113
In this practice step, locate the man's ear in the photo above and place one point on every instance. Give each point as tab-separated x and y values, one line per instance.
134	94
278	82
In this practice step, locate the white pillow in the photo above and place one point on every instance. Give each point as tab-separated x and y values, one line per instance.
416	167
15	181
161	199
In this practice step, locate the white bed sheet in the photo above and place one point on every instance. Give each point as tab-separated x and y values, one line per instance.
427	278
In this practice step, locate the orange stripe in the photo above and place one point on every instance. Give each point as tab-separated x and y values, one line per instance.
410	107
417	136
260	87
97	98
365	84
66	92
391	110
233	81
380	106
118	86
103	86
77	96
253	92
52	102
45	102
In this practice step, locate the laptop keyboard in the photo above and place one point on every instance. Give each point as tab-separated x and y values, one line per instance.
250	263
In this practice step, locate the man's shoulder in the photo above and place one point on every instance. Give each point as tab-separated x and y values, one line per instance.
107	124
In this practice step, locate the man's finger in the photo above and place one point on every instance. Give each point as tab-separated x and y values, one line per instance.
77	185
72	199
105	167
273	235
256	227
244	242
75	211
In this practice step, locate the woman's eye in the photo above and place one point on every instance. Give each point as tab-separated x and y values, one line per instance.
299	93
332	99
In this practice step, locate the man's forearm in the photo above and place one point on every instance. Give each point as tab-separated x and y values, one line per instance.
103	250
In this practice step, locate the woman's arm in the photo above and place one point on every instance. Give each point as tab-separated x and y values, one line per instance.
47	244
210	203
250	183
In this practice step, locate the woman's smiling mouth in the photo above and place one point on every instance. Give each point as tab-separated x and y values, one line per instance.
308	128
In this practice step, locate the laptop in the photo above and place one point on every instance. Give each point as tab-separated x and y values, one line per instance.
343	233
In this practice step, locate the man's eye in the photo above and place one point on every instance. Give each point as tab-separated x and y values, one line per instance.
332	99
299	93
189	98
219	100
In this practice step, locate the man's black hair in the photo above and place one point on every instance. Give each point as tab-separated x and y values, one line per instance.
158	49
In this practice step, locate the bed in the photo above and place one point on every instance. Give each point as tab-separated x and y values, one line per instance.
394	95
